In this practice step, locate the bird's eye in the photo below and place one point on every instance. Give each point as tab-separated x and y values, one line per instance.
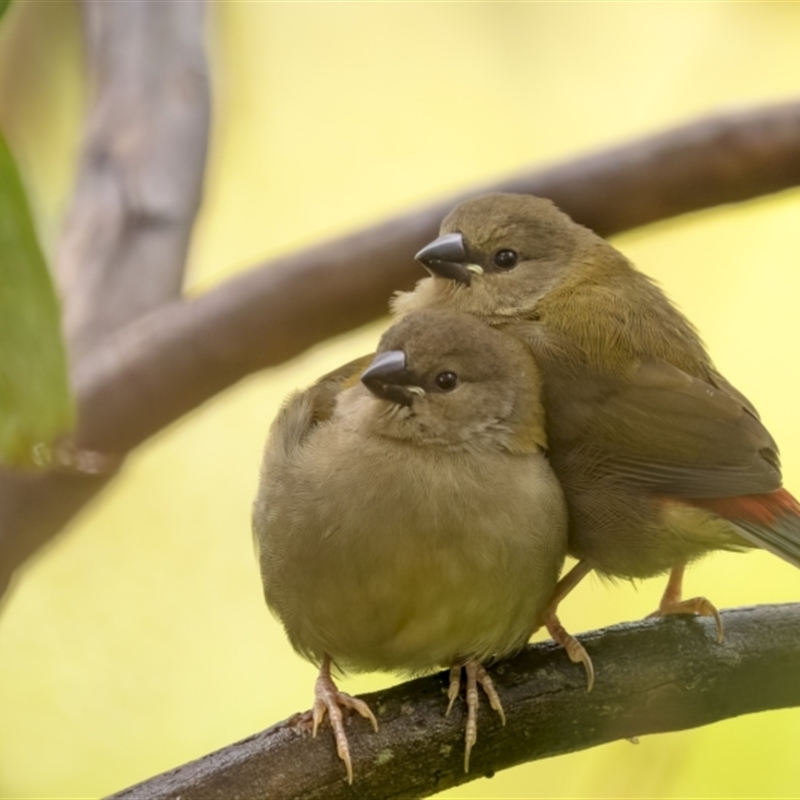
505	259
447	381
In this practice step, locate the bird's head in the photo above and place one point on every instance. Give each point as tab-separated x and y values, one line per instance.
498	255
444	378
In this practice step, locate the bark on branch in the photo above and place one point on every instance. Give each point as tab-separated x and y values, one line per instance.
124	245
653	676
161	366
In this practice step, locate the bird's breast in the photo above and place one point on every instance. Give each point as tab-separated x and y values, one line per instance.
409	558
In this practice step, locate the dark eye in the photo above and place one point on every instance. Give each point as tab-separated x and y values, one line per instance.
447	381
505	259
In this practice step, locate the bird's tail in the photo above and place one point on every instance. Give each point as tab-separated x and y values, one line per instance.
771	520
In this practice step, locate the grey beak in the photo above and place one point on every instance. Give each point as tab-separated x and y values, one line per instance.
447	258
387	377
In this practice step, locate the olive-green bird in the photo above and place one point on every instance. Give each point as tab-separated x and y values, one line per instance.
661	460
410	520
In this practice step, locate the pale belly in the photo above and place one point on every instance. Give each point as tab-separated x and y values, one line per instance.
410	575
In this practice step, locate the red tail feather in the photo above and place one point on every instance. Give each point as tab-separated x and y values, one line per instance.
760	509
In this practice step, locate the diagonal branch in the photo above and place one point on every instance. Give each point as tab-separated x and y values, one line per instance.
163	365
653	676
274	312
183	354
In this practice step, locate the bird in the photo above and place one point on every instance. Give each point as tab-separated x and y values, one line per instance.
660	458
407	518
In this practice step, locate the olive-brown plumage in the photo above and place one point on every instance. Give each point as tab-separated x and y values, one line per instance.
660	458
409	520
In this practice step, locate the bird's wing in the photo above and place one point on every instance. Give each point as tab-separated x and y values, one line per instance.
306	409
682	436
322	394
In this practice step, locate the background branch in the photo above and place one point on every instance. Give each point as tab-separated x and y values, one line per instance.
123	248
171	361
653	676
159	367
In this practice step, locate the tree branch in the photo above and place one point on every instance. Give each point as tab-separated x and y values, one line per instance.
124	245
168	363
653	676
123	249
161	366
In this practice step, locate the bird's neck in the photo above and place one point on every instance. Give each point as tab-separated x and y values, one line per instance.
615	314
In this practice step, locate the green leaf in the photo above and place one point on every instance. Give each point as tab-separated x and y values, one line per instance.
4	4
36	405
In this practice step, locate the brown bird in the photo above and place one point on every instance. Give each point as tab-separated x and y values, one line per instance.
409	520
661	460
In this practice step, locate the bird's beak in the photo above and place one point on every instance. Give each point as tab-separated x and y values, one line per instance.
447	258
387	377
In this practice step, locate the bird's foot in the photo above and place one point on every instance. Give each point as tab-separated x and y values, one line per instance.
671	602
328	699
701	606
575	650
476	675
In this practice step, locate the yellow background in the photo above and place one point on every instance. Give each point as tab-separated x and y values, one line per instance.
139	639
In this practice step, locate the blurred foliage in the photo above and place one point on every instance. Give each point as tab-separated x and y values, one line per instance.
140	639
35	400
